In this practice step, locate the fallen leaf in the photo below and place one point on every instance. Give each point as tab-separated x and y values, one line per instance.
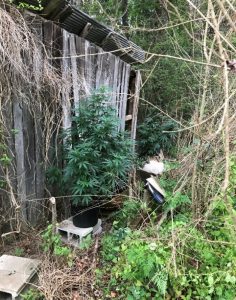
113	294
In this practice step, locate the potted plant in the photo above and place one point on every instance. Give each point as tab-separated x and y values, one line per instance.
98	157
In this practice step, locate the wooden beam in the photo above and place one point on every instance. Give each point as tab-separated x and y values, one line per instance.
138	83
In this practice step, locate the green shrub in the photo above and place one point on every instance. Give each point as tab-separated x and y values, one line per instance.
152	136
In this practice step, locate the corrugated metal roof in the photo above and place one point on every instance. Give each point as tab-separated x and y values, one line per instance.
75	21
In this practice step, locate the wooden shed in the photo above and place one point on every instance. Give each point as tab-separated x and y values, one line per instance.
85	55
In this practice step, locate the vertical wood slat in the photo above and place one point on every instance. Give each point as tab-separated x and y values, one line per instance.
138	83
124	94
99	68
115	80
80	49
88	74
74	71
20	159
38	139
29	160
66	74
118	89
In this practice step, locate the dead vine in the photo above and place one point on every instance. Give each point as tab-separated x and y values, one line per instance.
30	89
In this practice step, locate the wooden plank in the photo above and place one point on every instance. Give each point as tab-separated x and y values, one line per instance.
124	94
80	49
66	75
92	54
106	70
20	158
74	71
118	88
87	70
115	79
138	84
99	80
38	115
29	160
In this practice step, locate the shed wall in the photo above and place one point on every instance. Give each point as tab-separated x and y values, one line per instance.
33	143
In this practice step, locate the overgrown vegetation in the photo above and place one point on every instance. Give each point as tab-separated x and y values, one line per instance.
189	251
173	261
184	249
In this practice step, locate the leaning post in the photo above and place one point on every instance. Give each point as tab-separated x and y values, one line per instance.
54	214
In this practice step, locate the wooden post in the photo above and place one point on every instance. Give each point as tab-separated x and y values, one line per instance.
54	214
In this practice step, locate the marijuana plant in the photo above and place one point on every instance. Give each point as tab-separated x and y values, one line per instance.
98	156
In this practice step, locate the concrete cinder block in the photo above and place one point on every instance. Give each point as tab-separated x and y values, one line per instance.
73	235
15	274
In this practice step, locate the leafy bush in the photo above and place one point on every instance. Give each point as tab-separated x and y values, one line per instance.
152	136
98	156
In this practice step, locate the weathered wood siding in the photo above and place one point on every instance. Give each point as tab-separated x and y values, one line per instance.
85	68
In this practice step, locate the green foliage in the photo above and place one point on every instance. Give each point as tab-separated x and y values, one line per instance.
128	213
206	268
32	294
140	267
37	6
19	251
52	243
98	156
86	242
180	261
176	200
111	12
2	184
54	180
111	244
143	266
5	160
152	136
54	176
232	183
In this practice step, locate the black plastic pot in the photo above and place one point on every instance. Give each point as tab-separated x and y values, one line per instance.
85	217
